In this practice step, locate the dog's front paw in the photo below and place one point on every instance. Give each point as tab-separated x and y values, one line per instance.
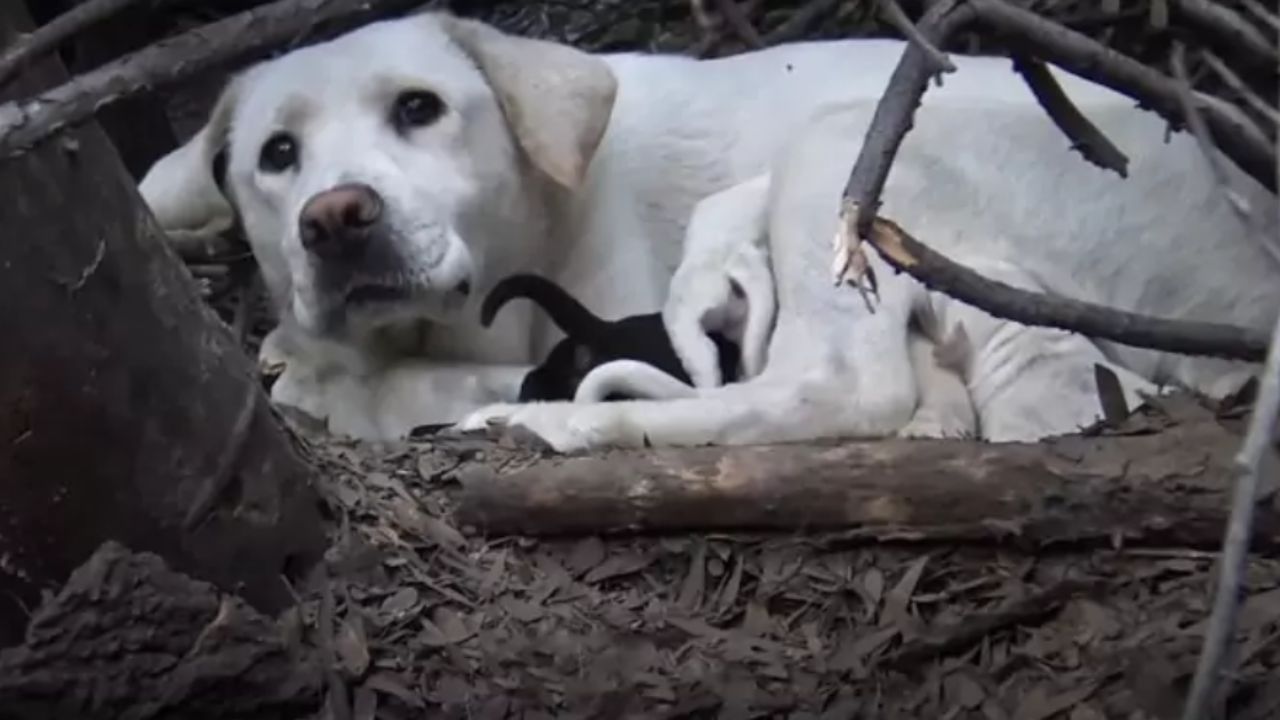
939	425
566	427
488	417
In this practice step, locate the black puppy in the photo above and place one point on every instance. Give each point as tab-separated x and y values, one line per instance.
592	342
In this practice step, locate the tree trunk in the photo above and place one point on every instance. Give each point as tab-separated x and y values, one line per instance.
127	410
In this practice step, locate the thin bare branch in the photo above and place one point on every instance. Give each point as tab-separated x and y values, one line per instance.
1238	137
1229	27
893	14
1212	679
1085	137
1199	130
242	37
894	112
56	32
800	21
737	21
1233	81
1262	13
942	274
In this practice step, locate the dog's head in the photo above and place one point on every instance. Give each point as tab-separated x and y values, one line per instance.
368	171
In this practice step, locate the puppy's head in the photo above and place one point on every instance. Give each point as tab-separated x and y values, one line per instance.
372	173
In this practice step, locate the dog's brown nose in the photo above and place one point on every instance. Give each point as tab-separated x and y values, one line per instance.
337	222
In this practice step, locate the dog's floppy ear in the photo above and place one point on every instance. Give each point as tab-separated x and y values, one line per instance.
183	188
557	99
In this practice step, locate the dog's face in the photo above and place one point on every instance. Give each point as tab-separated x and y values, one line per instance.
366	171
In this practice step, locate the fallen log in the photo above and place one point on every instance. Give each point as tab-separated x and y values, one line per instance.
1168	487
127	409
129	638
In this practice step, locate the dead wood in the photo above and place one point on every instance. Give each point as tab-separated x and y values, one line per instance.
129	638
1166	487
1085	137
30	46
1233	132
126	407
940	273
239	38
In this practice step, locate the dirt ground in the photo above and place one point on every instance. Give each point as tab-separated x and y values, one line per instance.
432	619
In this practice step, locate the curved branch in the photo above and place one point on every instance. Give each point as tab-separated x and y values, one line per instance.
25	123
943	274
57	31
1232	131
1085	137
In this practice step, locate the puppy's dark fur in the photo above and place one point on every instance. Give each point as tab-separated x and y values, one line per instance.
592	342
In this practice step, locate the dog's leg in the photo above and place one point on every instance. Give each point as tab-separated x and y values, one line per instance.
723	283
945	409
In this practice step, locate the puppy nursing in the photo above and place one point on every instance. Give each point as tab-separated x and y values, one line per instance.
389	178
650	366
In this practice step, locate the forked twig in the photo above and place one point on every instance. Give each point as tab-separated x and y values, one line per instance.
1205	689
892	118
893	14
1231	130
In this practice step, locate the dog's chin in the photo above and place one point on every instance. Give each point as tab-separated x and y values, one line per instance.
366	309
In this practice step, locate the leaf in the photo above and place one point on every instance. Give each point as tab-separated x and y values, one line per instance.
391	684
587	554
366	705
399	603
963	691
617	566
525	612
695	582
732	586
873	588
1114	408
1035	705
443	533
352	647
899	599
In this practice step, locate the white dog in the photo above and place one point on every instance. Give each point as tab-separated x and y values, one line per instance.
971	180
388	178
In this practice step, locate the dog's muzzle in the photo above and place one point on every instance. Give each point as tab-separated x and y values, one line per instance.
354	251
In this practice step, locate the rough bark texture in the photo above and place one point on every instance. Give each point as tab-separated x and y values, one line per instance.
1169	487
120	392
129	638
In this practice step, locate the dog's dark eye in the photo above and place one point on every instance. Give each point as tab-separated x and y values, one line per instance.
416	108
279	153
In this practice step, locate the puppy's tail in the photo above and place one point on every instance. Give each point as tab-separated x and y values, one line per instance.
566	312
563	309
633	379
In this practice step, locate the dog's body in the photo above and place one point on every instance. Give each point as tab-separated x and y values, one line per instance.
591	342
381	211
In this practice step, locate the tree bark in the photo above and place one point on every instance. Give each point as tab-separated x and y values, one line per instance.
129	638
127	411
1169	487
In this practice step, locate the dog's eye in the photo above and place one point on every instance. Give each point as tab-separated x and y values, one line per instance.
416	108
279	153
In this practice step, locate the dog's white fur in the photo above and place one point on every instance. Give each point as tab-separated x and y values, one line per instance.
992	184
516	176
